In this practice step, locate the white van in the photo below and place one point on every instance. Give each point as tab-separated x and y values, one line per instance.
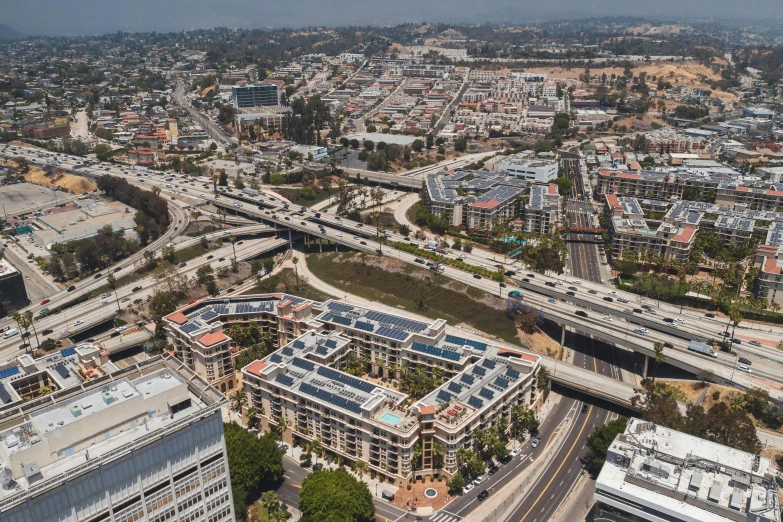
11	333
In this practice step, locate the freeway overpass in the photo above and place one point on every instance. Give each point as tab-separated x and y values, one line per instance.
351	235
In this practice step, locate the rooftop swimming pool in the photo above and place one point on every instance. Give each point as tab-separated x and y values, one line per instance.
390	418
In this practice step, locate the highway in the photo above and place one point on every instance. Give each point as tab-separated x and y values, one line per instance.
98	310
180	97
696	326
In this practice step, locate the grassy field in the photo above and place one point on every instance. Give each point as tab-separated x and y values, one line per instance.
292	194
285	281
400	285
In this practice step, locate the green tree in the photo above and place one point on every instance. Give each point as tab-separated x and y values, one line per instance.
202	273
255	464
212	288
161	304
111	282
456	485
335	496
599	441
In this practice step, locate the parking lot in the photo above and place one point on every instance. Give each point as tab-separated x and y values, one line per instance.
21	197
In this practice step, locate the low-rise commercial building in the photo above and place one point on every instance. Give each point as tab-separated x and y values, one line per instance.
653	473
528	169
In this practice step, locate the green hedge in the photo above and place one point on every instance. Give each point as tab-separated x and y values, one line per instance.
456	263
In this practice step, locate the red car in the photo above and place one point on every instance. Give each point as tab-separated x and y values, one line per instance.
45	301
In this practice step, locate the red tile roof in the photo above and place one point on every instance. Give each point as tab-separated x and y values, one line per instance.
177	317
486	204
212	338
771	266
687	233
427	410
256	367
524	356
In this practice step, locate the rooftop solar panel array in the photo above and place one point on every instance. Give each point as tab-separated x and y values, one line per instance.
437	352
339	307
331	398
298	344
400	322
331	343
455	387
391	333
478	370
189	327
5	398
346	379
489	364
287	351
341	320
322	350
467	379
368	327
444	396
501	383
210	314
512	374
486	393
453	339
475	402
9	372
61	370
301	363
285	380
276	358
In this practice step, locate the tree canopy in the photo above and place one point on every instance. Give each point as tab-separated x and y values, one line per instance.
599	442
335	496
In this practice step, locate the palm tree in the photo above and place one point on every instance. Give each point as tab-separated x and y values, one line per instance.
194	215
315	448
251	414
479	440
438	452
239	400
295	261
111	282
25	321
222	213
233	241
417	456
156	191
660	358
463	457
360	467
775	307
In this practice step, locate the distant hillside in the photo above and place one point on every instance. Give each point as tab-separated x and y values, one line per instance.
9	33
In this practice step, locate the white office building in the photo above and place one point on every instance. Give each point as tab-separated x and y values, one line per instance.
142	443
653	473
532	170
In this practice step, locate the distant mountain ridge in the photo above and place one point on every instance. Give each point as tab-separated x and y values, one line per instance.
9	33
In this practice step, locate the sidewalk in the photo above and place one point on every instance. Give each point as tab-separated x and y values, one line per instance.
376	487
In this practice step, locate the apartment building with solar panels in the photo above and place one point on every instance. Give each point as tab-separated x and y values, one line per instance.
301	384
104	444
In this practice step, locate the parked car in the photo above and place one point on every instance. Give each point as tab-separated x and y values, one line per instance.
468	488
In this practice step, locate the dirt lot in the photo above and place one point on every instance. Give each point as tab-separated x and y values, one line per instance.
692	389
71	183
679	73
542	344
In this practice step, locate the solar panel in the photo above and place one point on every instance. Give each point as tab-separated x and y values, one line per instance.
331	343
341	320
455	387
475	402
512	374
62	370
486	363
453	339
5	398
444	396
478	370
298	344
397	335
486	393
301	363
340	307
467	379
276	358
364	326
67	352
189	327
9	372
285	380
287	351
501	383
209	315
321	350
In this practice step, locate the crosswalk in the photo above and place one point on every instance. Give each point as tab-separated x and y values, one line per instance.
444	517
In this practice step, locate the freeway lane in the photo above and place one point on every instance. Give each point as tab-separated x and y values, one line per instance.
548	492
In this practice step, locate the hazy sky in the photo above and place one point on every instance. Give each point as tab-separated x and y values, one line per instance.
101	16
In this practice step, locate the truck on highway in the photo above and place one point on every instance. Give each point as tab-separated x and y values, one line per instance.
141	168
10	333
702	348
252	192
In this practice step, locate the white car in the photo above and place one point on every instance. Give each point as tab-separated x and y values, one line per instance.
107	294
516	451
681	321
559	282
120	329
78	322
339	235
65	333
743	368
607	318
468	488
577	282
612	293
